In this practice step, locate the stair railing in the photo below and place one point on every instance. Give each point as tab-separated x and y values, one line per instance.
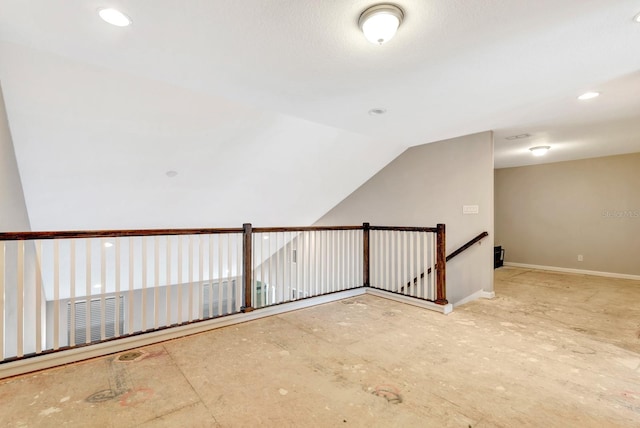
455	253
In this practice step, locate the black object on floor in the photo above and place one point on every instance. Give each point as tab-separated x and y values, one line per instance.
498	256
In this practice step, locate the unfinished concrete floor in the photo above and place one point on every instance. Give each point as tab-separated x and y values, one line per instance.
552	350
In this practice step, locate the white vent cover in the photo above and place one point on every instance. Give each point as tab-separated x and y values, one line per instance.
80	324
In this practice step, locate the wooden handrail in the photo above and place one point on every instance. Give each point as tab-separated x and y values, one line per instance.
70	234
452	255
405	228
468	245
76	234
303	229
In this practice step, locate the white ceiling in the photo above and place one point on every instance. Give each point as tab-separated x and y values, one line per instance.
261	106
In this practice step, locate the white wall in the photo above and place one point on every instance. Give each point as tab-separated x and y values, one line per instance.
427	185
13	209
14	218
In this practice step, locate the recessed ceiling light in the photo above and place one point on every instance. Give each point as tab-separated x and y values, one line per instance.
114	17
377	111
171	174
589	95
108	244
540	150
265	237
379	23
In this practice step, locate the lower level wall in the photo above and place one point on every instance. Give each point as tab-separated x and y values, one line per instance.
136	319
556	214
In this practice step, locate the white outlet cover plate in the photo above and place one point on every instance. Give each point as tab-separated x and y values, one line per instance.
470	209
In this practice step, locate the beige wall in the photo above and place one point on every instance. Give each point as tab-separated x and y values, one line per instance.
549	214
427	185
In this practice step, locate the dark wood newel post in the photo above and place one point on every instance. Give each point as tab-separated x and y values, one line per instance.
365	255
246	266
441	266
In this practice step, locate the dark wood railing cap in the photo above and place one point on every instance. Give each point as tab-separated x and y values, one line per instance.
71	234
74	234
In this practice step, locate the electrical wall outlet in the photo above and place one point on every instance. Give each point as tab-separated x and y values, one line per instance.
580	258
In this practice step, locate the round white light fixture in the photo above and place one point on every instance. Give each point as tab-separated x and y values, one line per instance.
379	23
589	95
377	111
540	150
108	244
114	17
171	174
637	18
96	286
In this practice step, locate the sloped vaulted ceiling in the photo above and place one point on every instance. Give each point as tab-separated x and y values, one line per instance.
94	146
261	105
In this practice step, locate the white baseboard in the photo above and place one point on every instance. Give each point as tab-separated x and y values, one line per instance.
54	359
444	309
488	294
480	294
570	270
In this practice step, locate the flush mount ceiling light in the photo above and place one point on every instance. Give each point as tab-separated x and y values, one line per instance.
588	96
171	174
637	18
114	17
540	150
377	111
108	244
379	23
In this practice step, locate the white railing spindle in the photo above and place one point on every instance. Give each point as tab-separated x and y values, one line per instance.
210	282
72	292
220	251
156	282
131	285
425	258
2	298
56	294
38	245
103	287
229	271
143	297
169	281
190	284
87	250
118	271
201	276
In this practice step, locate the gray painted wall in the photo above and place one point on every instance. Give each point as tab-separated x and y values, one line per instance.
429	184
549	214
